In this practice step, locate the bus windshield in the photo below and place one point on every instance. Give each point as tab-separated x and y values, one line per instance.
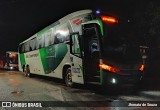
119	43
12	58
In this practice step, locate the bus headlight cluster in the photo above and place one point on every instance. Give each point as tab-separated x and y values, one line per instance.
11	68
113	80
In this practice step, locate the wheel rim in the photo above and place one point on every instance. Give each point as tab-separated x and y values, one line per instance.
69	78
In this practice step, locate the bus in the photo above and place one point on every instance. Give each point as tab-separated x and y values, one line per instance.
83	48
9	61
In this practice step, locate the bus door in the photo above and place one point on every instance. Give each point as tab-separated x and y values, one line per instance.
91	51
76	59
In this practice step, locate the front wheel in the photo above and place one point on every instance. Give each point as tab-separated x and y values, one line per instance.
68	78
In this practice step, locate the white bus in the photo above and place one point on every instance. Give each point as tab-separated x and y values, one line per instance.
76	49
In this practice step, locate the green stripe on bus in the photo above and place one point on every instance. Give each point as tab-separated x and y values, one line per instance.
43	55
55	55
22	59
81	68
101	26
52	56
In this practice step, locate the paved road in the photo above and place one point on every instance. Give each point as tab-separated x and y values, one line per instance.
14	86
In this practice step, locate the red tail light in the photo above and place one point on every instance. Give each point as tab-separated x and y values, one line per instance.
141	68
109	19
109	68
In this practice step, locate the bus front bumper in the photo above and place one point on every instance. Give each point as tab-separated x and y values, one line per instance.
12	68
120	79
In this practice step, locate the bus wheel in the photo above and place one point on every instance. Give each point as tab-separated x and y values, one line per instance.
68	78
27	71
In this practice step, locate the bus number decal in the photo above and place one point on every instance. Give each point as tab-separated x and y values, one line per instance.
33	55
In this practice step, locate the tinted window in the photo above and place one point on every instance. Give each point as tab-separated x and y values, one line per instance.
26	46
120	44
49	37
33	44
23	48
62	34
40	42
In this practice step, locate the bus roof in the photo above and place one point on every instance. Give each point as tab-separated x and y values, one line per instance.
60	21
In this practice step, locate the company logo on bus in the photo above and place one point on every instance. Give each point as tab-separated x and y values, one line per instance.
77	21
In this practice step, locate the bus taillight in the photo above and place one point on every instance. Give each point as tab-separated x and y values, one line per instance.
109	68
141	67
109	19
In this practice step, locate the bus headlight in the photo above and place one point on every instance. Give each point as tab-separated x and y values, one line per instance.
11	68
113	80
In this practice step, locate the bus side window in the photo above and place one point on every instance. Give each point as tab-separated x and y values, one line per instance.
23	48
62	34
49	36
52	36
47	40
20	48
33	44
40	42
59	38
26	46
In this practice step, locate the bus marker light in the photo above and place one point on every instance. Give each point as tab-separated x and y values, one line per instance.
109	19
141	68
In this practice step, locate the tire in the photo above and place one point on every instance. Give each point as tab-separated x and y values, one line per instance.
27	71
68	78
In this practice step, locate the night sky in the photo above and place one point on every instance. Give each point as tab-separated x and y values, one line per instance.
20	19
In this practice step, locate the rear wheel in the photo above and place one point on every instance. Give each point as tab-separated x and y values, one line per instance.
68	78
27	71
